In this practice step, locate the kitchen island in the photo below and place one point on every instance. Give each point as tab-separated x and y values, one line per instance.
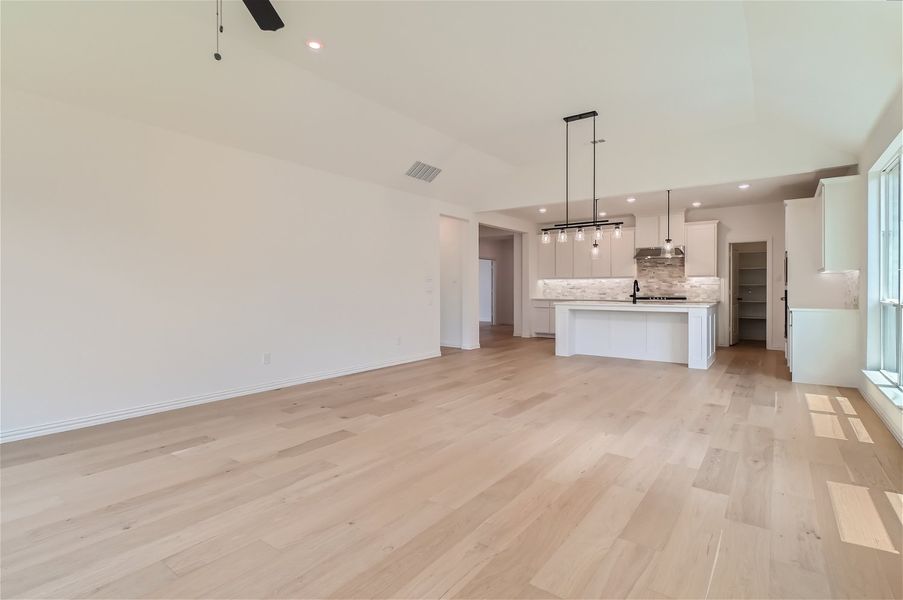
677	332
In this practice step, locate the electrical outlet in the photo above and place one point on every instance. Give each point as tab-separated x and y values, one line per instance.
266	358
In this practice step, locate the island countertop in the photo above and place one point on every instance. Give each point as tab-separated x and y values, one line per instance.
657	305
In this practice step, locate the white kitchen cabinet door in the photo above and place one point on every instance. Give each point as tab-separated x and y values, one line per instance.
839	211
677	230
564	256
601	267
701	249
647	232
542	320
582	256
622	251
546	258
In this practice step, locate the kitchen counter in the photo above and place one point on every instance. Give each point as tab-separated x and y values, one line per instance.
658	330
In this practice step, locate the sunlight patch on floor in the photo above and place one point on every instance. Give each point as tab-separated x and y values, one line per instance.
845	405
859	429
827	426
819	402
858	521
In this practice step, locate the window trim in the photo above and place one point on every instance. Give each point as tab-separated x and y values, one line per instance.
894	379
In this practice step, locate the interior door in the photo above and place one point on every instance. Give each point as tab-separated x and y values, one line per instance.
735	296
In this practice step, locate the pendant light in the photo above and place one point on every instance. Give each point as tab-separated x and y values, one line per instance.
582	228
563	233
594	251
668	248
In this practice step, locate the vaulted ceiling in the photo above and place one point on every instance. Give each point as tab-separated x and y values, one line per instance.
689	93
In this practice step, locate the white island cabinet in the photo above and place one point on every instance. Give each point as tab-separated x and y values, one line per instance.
660	331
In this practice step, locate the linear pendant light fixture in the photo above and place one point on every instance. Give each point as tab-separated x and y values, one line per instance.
597	224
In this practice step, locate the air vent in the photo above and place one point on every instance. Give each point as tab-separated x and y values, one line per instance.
423	171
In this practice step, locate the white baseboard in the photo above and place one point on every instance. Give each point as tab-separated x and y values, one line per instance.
22	433
882	407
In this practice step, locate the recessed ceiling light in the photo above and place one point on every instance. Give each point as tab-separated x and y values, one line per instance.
743	186
603	213
542	210
314	44
697	204
631	199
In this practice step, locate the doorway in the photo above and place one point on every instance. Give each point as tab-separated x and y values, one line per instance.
497	284
749	279
487	291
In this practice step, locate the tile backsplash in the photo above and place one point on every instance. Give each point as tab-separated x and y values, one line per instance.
656	277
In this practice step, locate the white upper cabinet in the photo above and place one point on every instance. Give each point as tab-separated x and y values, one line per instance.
647	232
677	229
574	259
651	231
701	241
564	256
622	252
546	258
839	208
582	256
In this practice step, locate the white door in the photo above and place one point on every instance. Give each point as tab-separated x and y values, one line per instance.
735	296
487	293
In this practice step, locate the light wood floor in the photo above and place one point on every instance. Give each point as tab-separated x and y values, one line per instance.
503	472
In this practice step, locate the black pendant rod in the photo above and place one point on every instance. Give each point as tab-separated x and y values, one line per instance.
595	211
668	217
567	167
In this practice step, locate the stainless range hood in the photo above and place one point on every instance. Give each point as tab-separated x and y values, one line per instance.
657	253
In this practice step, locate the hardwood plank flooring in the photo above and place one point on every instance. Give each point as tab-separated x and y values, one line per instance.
503	472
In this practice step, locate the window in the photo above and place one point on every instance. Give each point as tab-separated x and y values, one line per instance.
891	217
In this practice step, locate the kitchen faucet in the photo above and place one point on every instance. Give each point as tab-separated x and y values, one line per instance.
636	289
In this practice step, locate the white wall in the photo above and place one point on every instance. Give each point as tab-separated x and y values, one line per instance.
501	250
144	268
451	284
749	223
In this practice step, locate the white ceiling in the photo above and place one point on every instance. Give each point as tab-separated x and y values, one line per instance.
773	189
690	94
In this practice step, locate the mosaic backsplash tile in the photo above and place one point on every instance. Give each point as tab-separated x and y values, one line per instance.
656	277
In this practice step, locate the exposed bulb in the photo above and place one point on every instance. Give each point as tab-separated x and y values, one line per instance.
595	251
546	238
562	236
579	236
598	232
617	232
668	248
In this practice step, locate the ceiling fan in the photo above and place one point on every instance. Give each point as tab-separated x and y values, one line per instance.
264	14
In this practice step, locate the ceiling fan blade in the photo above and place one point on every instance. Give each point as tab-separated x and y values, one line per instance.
266	16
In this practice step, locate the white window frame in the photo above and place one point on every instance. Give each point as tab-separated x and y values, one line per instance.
895	378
